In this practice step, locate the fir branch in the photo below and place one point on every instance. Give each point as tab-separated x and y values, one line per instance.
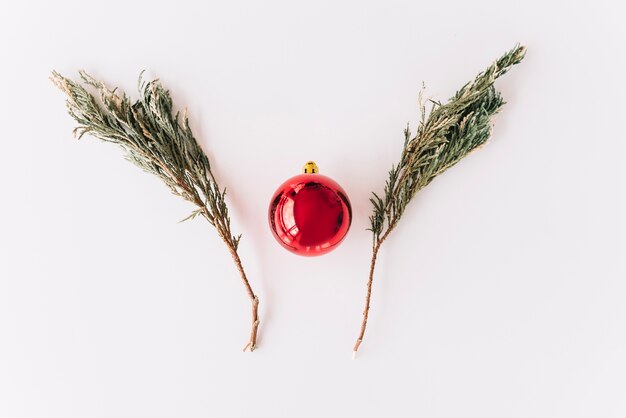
160	142
447	134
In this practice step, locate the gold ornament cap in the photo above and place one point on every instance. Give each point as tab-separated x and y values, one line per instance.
310	168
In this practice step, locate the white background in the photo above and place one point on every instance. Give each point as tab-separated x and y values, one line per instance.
501	294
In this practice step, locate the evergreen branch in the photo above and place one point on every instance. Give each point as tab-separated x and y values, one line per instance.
447	134
160	142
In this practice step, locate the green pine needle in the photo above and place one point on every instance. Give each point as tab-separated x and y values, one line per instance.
450	132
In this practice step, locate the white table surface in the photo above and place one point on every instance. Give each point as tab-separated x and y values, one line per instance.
501	294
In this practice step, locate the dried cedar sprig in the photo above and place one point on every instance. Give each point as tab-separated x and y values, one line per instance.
161	143
444	136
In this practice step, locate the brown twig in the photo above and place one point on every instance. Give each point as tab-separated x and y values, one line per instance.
254	298
255	325
368	296
367	301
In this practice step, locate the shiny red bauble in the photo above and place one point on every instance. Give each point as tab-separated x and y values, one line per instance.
310	214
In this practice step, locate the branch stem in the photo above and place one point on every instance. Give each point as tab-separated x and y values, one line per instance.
253	298
368	297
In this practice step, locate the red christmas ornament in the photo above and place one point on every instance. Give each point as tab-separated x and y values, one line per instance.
310	214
